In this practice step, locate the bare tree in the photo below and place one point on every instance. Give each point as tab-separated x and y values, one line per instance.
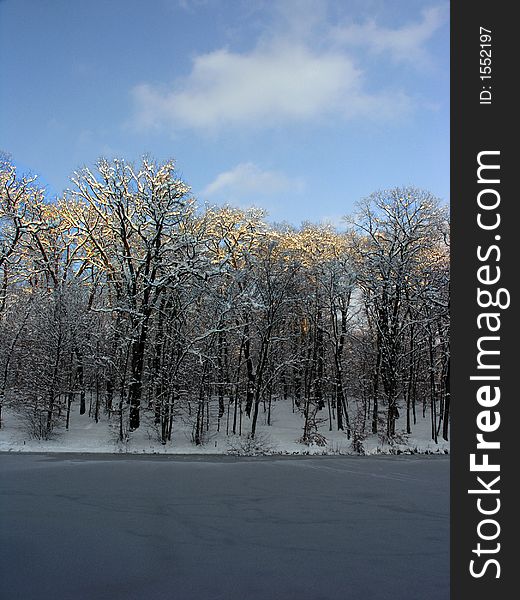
397	227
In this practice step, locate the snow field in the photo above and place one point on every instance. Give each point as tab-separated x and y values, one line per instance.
281	437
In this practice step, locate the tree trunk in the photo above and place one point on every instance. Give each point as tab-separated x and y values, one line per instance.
250	386
375	414
447	398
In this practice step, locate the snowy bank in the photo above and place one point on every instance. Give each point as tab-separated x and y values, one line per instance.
281	437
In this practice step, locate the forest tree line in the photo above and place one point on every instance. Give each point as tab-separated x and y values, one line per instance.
125	298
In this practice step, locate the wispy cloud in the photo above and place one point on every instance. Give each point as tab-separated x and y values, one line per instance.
402	44
273	84
247	180
285	78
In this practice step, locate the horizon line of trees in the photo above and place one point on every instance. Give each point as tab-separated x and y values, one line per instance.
125	292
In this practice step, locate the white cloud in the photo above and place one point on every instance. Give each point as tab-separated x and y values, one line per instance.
285	78
403	44
186	5
247	179
269	85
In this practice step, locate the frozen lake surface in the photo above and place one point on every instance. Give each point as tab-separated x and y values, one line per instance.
172	528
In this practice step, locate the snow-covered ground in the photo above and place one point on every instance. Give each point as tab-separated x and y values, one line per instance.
281	437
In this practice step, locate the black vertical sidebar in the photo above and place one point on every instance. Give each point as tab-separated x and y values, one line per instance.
483	128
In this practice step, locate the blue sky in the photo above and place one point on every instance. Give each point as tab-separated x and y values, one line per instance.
300	107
